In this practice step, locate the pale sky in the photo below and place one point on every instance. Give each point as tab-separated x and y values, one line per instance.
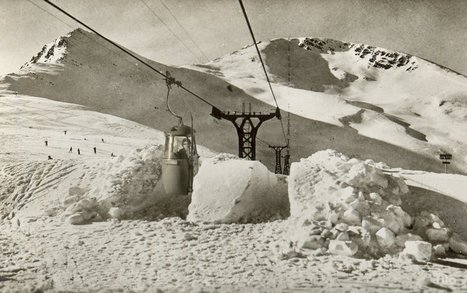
432	29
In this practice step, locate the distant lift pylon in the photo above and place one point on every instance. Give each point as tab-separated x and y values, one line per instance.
285	169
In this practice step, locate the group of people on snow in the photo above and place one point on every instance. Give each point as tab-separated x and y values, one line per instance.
46	142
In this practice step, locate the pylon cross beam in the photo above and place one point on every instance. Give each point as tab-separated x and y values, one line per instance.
246	128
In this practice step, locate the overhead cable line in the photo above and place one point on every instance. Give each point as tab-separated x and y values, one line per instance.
262	64
262	141
170	30
126	51
48	12
72	27
166	76
183	28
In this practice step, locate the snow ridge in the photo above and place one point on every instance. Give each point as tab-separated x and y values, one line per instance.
51	53
377	57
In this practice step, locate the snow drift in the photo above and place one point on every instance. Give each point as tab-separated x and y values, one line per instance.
350	207
124	187
229	190
129	188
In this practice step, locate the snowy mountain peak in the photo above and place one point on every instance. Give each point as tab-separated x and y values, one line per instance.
377	57
386	95
51	53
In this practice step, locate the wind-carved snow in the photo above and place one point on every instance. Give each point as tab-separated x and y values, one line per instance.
386	95
243	69
372	56
378	126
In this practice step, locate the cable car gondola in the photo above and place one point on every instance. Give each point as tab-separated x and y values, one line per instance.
180	161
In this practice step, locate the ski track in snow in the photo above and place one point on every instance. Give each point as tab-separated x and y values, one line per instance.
27	122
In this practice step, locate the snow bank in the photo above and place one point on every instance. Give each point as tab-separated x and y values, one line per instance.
350	207
128	188
229	190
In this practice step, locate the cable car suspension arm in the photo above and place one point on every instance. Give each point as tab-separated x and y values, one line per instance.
169	81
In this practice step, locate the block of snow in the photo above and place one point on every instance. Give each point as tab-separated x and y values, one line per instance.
333	217
439	250
359	236
329	184
83	217
457	244
361	174
87	204
75	193
348	194
75	219
70	199
376	198
311	242
425	219
234	190
82	212
420	250
437	235
385	237
403	238
391	221
372	225
401	214
361	206
345	248
343	236
115	213
351	217
342	227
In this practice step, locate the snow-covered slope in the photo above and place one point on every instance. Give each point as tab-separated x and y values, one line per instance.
82	69
27	122
41	252
390	96
41	168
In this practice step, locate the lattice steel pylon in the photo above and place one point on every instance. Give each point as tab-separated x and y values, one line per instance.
286	169
247	125
278	150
